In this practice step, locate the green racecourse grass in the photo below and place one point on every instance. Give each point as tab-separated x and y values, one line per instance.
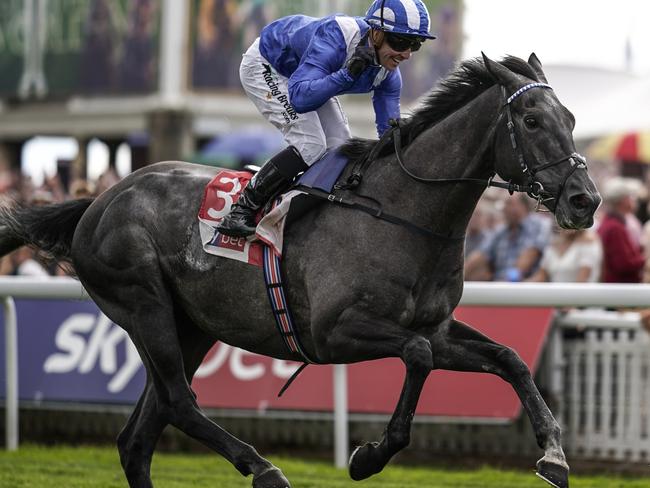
76	467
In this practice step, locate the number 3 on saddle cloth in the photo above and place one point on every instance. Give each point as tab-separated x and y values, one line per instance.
223	191
266	249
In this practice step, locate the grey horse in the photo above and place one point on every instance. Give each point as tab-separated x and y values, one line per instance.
137	251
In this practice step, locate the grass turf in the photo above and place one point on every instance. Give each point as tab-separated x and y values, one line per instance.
76	467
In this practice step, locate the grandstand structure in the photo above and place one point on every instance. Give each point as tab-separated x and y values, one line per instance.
160	75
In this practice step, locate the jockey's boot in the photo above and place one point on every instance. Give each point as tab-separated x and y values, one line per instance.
274	177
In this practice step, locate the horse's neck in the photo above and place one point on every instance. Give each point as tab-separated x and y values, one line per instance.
456	147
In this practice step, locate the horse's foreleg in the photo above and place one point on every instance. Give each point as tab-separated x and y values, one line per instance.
465	349
371	458
376	339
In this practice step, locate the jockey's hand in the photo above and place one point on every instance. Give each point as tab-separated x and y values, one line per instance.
363	57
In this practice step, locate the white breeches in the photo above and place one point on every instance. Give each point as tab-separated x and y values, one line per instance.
312	133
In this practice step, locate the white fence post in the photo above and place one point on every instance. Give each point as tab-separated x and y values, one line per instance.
340	416
608	396
25	288
11	364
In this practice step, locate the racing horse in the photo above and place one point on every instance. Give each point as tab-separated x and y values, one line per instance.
136	249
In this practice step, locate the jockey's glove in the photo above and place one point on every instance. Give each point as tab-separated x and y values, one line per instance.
363	57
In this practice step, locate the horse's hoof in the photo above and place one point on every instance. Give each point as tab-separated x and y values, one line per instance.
365	461
271	478
554	474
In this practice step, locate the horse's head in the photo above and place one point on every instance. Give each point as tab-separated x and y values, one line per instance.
534	147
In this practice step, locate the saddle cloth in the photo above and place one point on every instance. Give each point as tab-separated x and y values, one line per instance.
223	191
218	197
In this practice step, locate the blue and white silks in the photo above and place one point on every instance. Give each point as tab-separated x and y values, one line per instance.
312	53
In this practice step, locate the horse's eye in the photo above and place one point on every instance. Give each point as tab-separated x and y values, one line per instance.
531	122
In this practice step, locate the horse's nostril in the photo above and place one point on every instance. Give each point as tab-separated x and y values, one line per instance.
580	202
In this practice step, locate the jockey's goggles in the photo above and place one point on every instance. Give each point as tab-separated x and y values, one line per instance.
401	42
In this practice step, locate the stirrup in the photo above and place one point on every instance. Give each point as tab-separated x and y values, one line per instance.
240	222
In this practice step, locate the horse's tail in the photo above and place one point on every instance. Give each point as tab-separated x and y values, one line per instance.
49	228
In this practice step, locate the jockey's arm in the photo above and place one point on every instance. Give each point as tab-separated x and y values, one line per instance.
386	101
527	261
539	276
321	73
477	267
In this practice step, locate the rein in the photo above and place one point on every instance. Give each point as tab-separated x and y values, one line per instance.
377	212
533	187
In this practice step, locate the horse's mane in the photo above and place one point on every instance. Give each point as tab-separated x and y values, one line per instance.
466	82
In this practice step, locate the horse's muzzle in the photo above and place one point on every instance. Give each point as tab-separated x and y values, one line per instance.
577	210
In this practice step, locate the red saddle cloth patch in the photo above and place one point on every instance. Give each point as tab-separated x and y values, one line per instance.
219	196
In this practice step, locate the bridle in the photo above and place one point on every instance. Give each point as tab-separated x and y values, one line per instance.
533	188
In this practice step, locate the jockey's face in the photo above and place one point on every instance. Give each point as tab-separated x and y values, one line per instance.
388	57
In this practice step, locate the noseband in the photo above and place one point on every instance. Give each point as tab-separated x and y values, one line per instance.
533	188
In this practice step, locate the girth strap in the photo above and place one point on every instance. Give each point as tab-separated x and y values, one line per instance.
279	304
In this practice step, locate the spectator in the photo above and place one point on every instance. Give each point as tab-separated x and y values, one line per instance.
645	245
22	191
574	256
477	230
622	256
6	265
26	265
54	186
107	179
80	188
41	197
513	251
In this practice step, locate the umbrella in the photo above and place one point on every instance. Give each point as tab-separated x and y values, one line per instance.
629	147
250	144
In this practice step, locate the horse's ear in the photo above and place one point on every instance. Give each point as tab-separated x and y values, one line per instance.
534	61
500	73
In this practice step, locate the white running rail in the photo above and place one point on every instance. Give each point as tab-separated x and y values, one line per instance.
628	415
606	391
19	287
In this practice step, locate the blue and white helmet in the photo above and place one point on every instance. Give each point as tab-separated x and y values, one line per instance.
408	17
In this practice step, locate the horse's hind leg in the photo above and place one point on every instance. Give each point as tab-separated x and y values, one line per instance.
465	349
177	405
138	438
164	343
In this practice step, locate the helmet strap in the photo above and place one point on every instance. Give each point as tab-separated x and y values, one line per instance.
377	38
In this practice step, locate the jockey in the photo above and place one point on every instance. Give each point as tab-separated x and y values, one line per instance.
294	71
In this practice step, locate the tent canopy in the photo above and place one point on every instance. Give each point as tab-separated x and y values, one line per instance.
604	102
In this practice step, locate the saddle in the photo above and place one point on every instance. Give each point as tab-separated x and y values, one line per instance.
322	182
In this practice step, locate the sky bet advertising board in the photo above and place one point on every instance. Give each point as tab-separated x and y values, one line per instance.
69	351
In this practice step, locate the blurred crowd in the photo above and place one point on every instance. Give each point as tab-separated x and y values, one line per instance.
508	241
16	188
